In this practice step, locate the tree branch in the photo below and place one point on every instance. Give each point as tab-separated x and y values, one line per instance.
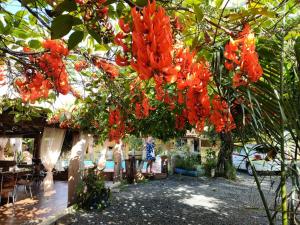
35	15
217	25
216	32
16	53
132	5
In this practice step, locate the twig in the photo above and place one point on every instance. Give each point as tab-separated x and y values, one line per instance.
216	32
132	5
218	26
35	14
227	31
11	52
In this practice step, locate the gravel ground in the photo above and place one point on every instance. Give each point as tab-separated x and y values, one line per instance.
181	200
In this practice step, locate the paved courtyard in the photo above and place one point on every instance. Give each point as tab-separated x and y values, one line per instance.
184	200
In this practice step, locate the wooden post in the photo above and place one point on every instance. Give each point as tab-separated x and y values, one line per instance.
76	166
37	146
130	169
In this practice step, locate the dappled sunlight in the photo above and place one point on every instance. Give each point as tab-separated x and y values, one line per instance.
177	200
209	203
35	209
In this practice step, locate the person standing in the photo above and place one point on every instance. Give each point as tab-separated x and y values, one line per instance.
150	154
118	157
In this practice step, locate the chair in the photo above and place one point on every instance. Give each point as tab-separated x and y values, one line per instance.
38	173
27	182
8	187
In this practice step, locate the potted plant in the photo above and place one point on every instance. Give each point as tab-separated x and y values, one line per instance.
187	165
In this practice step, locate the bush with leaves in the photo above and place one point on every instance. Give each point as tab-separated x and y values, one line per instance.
91	192
187	162
211	162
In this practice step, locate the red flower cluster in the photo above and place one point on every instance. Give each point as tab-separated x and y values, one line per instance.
80	65
180	122
142	107
151	43
192	80
53	66
107	67
34	87
117	125
122	60
221	116
152	56
242	58
50	72
2	74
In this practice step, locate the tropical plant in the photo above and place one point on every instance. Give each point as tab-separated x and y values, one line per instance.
91	192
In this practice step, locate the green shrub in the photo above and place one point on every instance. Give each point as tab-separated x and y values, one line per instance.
189	162
210	163
230	172
91	192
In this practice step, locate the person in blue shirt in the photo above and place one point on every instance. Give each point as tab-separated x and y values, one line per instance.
150	154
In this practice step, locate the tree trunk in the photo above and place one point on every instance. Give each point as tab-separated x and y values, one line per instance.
225	155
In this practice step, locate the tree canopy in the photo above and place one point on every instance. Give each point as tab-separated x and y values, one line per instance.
141	67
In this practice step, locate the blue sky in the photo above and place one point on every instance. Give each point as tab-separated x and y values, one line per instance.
12	6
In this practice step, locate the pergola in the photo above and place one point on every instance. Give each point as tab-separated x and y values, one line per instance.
32	125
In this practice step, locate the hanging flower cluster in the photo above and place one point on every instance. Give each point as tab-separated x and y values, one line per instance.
80	65
151	42
221	116
152	55
142	107
49	73
107	67
242	58
192	81
116	125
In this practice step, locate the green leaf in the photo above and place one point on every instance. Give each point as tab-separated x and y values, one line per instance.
35	44
95	35
75	38
218	3
198	12
67	5
32	20
141	3
21	34
99	47
76	21
120	8
1	27
7	29
61	26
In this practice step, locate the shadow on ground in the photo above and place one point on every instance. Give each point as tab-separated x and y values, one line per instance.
180	200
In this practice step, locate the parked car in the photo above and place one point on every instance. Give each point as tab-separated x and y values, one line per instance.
263	158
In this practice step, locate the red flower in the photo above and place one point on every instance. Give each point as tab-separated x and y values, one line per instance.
241	55
80	65
125	27
121	61
107	67
2	73
221	116
151	42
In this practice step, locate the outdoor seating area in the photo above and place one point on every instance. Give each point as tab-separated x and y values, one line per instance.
35	208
